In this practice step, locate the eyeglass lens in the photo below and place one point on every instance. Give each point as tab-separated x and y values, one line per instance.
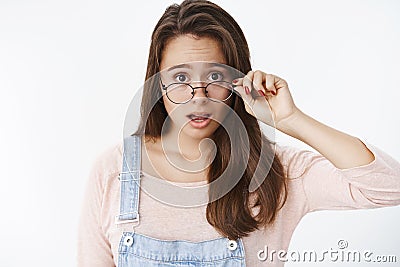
182	93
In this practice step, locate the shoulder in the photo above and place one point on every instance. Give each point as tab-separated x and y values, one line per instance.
109	160
295	160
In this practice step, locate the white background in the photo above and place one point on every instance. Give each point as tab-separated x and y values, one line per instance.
68	70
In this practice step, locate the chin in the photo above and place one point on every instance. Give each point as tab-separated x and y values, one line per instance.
202	133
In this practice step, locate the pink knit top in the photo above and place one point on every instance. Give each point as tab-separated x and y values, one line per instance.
314	184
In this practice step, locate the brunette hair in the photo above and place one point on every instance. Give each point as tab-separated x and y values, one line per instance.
231	215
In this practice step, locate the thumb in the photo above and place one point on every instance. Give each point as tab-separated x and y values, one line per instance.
247	98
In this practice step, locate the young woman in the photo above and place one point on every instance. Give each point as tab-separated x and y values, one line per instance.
194	94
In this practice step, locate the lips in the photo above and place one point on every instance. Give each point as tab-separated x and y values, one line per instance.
199	120
199	116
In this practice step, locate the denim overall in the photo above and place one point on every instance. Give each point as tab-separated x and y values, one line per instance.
143	251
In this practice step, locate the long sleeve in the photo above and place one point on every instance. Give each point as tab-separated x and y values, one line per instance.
374	185
93	247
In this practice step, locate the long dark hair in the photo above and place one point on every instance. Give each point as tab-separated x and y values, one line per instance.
231	215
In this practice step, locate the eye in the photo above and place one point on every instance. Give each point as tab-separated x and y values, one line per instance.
216	76
181	78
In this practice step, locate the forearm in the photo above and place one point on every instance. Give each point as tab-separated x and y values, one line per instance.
342	150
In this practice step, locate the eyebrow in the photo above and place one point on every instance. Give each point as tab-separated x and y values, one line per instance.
189	66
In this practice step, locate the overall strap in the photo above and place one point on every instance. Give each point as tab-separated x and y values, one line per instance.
130	180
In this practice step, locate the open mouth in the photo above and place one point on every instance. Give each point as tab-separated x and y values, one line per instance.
199	120
199	117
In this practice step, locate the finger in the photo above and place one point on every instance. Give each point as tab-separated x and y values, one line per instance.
247	83
258	80
237	81
247	98
270	83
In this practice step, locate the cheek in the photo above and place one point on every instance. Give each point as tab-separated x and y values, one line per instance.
167	103
170	107
221	113
175	111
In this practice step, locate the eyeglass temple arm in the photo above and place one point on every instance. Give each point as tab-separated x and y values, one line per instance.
162	84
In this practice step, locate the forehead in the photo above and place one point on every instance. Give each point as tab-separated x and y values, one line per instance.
197	66
199	70
188	48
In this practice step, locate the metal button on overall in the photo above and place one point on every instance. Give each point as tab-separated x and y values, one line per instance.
232	244
128	241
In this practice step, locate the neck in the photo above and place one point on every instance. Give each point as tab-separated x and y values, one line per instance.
185	152
187	146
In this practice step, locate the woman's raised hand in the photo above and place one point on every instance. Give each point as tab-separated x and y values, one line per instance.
266	97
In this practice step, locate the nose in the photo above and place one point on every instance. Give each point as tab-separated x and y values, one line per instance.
199	93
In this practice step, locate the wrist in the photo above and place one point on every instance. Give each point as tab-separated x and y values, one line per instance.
291	125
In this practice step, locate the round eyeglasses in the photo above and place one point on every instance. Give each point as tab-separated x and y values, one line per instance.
181	93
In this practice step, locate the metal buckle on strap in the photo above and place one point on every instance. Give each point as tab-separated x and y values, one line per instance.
118	221
133	179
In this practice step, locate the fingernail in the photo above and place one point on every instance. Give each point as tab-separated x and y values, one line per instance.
273	92
246	89
261	93
235	81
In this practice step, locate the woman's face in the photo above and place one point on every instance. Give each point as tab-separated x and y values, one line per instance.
199	117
